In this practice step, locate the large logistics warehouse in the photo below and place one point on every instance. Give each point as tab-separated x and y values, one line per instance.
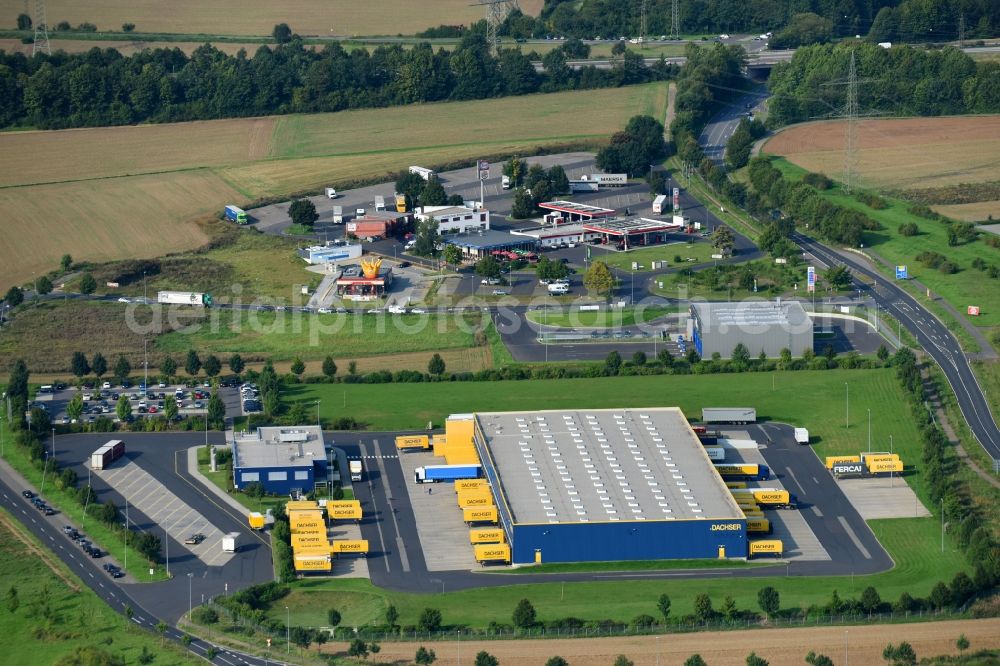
760	325
606	485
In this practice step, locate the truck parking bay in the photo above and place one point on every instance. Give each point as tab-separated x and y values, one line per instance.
150	497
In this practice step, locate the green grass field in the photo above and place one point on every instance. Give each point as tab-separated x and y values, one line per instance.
284	335
57	613
574	318
813	399
967	287
913	543
689	253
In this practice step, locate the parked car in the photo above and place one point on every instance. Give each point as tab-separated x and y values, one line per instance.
195	539
27	494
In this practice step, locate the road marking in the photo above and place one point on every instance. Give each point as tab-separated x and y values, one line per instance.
378	523
854	538
819	514
90	574
792	474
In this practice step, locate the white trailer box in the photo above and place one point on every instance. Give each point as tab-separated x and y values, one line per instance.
659	203
801	436
611	179
331	193
355	466
338	214
379	203
182	298
231	542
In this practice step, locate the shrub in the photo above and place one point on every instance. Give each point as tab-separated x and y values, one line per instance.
817	180
908	229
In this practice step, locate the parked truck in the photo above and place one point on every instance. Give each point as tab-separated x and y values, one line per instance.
400	202
355	468
107	454
505	182
768	497
755	471
338	214
236	214
740	415
379	203
331	193
660	204
439	473
231	542
184	298
801	436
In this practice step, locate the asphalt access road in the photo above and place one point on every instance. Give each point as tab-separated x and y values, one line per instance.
164	456
933	336
146	607
831	516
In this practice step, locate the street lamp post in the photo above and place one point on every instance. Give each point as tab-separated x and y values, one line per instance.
190	603
126	534
318	422
847	405
869	430
166	549
288	631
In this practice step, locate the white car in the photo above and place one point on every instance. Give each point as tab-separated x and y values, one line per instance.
106	385
490	281
418	311
325	311
395	309
124	300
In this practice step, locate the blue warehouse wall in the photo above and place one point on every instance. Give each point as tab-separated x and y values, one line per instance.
278	486
641	540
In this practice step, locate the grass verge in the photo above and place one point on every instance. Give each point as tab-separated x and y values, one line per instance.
58	614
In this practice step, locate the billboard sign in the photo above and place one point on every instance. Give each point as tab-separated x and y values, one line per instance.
811	278
484	170
677	198
973	311
902	273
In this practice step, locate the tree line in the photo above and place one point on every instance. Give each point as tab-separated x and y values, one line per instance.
909	20
900	81
104	87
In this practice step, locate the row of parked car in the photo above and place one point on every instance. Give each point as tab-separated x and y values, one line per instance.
38	503
80	539
250	397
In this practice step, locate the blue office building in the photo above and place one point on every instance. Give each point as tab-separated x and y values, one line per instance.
286	460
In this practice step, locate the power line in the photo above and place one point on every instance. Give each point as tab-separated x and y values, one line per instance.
851	113
496	13
41	42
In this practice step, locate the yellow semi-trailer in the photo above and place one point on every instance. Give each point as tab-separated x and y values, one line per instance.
312	562
480	515
305	521
413	442
769	497
313	540
349	546
766	547
301	505
487	535
468	501
759	525
752	471
837	460
471	484
878	456
745	502
735	484
496	552
882	466
752	513
344	509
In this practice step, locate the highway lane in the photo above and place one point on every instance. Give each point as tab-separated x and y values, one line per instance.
933	336
118	597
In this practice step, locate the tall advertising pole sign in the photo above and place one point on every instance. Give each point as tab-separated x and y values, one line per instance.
484	174
811	279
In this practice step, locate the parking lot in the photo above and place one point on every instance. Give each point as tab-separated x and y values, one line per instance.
174	517
100	401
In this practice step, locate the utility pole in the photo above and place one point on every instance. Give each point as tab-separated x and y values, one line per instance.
851	113
41	42
642	24
675	20
961	31
496	13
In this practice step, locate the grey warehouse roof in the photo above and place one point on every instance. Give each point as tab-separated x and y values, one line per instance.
603	465
788	314
487	238
294	446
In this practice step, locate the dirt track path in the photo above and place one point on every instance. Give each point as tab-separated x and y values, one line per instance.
781	647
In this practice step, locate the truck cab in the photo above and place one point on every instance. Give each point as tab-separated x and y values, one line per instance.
355	469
